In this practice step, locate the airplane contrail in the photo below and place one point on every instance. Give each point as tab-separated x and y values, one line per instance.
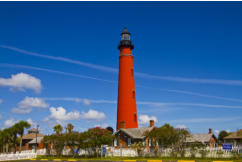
115	82
138	74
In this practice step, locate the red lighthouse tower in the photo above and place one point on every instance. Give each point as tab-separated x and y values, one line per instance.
127	113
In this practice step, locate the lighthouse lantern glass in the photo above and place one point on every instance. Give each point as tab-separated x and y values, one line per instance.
125	37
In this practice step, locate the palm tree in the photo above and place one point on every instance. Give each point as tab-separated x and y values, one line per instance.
14	134
1	141
6	138
58	129
70	127
21	126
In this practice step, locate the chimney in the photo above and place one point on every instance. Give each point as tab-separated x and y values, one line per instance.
210	131
151	123
122	124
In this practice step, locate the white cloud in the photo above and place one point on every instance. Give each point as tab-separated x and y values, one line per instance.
22	81
33	123
86	102
150	103
60	114
145	119
21	110
9	122
75	99
1	101
33	102
25	106
111	81
93	115
46	119
228	130
105	125
181	126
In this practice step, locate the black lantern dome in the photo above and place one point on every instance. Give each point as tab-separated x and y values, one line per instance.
125	40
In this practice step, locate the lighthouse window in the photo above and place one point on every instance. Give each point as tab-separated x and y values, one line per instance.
125	37
132	72
134	93
135	117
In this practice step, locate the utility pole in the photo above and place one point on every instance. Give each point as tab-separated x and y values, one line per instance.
36	133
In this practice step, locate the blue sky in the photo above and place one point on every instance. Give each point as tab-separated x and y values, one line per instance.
59	63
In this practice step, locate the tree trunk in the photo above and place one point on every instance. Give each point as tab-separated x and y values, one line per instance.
20	149
14	143
7	147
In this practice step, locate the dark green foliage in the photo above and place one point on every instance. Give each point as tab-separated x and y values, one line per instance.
221	135
168	136
58	143
9	136
139	147
194	148
58	129
91	139
69	128
110	129
21	126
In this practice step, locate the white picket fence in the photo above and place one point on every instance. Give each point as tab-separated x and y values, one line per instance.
18	155
125	152
217	152
115	152
28	154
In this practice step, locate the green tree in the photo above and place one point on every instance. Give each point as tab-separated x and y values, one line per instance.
14	134
58	129
194	147
203	152
239	132
72	140
139	147
169	137
47	141
181	136
110	129
221	135
1	141
21	126
95	137
58	143
70	127
6	139
166	135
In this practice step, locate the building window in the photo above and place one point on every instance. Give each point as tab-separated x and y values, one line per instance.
149	142
129	142
115	143
143	142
